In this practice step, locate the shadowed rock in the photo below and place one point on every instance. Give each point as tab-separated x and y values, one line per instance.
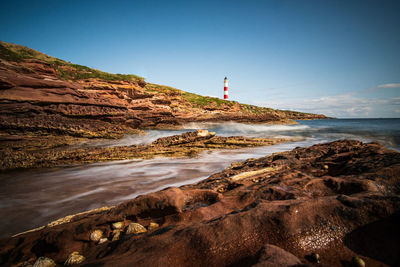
295	203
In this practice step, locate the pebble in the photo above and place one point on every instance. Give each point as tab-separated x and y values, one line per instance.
204	133
116	234
96	235
221	190
358	262
118	225
135	228
44	262
74	258
103	240
153	226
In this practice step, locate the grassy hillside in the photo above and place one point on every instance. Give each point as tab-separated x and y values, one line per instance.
66	70
206	102
69	71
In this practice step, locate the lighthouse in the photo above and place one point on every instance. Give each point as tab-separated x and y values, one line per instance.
226	88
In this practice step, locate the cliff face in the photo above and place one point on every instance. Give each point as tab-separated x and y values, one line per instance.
39	93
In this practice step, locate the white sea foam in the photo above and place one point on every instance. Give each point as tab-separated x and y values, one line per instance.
40	196
235	128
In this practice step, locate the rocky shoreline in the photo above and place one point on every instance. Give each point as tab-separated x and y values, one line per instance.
334	204
48	96
15	154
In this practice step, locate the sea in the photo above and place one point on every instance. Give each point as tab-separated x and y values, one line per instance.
32	198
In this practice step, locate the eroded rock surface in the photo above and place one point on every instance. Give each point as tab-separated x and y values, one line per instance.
44	95
188	144
338	200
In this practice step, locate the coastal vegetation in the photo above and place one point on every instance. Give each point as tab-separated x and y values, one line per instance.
66	70
74	72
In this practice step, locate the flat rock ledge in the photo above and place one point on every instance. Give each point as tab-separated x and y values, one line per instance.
188	144
324	205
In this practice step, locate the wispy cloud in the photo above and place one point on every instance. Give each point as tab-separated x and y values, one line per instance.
348	105
389	85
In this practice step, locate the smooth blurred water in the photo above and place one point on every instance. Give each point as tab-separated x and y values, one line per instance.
32	198
386	131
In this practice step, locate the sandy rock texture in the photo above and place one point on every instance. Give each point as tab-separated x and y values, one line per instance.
44	95
188	144
337	200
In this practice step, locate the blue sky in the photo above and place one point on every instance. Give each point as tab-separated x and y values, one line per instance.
340	58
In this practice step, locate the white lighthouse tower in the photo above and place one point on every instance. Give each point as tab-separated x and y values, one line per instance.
226	88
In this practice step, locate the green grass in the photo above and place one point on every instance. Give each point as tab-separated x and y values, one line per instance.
70	71
202	101
66	70
162	89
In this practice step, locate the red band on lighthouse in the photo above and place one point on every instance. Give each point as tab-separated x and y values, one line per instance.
225	88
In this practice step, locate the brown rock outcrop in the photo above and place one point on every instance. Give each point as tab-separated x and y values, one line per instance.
337	200
40	101
16	154
273	256
42	94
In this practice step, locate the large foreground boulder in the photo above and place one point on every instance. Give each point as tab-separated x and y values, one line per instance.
327	203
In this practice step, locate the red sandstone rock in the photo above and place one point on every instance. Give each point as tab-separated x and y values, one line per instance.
273	256
339	200
33	97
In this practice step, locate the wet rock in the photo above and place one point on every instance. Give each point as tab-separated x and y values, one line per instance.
203	133
185	145
273	256
135	228
350	201
74	259
115	235
103	240
203	227
44	262
96	235
358	262
118	225
153	226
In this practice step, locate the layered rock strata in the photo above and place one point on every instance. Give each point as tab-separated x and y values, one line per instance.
46	95
190	144
322	205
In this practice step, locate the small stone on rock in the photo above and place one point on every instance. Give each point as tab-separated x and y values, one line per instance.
135	228
118	225
96	235
203	133
103	240
44	262
153	226
74	258
116	234
358	262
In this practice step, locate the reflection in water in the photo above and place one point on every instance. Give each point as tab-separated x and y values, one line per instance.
33	198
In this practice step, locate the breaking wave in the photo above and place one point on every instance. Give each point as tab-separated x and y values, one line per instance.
40	196
250	130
